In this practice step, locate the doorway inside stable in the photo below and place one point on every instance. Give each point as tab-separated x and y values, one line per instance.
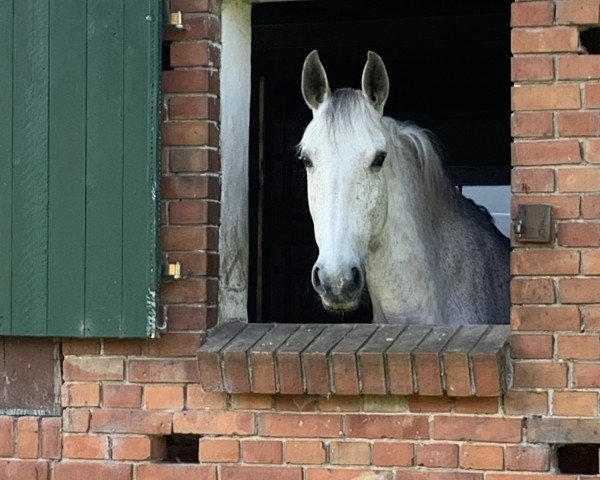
449	69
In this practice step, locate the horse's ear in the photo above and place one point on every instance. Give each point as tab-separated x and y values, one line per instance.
315	87
375	81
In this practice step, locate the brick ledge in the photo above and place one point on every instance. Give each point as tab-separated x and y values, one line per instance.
317	359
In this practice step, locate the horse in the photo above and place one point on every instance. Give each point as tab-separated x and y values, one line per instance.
387	218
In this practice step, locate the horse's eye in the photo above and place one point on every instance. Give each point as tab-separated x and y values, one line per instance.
306	161
378	160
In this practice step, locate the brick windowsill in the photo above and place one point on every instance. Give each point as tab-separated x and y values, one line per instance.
355	359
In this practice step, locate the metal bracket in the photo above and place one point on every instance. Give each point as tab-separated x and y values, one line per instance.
533	224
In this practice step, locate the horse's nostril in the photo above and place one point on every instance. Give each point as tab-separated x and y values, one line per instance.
316	280
356	276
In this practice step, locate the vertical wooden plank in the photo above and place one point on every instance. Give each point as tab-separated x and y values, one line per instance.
30	168
140	163
104	167
6	87
66	168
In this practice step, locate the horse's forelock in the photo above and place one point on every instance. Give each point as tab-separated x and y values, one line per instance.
345	114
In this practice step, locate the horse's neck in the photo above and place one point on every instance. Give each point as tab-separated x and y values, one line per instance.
399	269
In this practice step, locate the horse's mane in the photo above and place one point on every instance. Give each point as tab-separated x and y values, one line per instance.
423	146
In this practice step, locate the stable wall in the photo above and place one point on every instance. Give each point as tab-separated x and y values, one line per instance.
120	399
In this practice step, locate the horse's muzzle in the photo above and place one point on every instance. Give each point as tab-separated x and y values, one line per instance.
339	291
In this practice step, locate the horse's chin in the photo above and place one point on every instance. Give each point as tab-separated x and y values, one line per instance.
341	308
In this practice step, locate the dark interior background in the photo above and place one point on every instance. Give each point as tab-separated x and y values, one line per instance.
449	69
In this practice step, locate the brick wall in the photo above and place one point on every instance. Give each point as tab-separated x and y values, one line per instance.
121	398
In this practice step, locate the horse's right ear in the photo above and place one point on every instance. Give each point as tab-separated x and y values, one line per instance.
315	88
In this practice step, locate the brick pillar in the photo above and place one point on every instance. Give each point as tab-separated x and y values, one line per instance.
555	342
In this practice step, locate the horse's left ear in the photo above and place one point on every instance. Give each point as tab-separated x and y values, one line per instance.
375	81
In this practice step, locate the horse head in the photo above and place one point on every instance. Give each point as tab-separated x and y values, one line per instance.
344	149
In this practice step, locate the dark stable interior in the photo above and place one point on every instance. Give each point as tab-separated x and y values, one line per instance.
449	69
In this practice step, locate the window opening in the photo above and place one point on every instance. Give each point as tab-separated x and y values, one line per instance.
579	459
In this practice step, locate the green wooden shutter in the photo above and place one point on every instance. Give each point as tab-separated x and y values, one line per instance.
78	167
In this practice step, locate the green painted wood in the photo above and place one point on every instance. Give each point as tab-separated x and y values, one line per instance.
79	163
140	161
104	201
30	168
6	98
66	168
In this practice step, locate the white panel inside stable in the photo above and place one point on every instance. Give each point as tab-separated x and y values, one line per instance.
496	199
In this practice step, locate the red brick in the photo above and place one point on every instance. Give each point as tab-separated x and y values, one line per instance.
592	95
526	180
125	396
586	375
200	6
76	420
574	67
86	446
189	238
546	97
24	470
349	453
579	234
578	347
219	450
540	375
592	150
77	470
295	403
175	471
50	439
194	54
197	399
7	436
532	124
393	454
477	429
192	133
190	186
80	395
545	318
526	14
544	262
482	457
591	317
539	290
437	455
547	40
190	290
259	473
483	405
525	458
590	206
121	346
546	152
196	160
80	346
310	452
585	179
214	422
27	437
427	404
582	12
531	346
194	108
190	317
187	81
205	27
575	404
193	212
525	403
251	401
348	474
163	396
179	370
563	206
138	448
580	290
262	451
387	426
92	368
532	68
130	421
578	124
299	425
